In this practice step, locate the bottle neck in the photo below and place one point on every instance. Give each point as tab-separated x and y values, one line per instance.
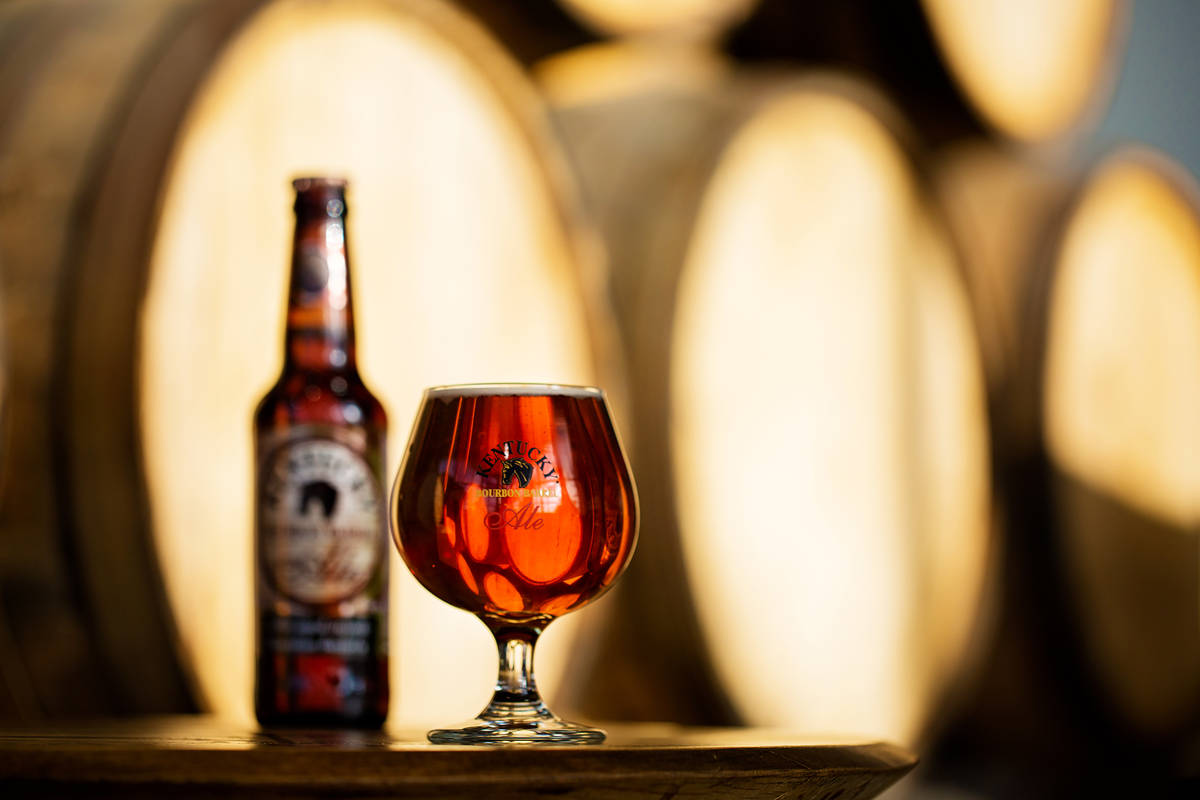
320	317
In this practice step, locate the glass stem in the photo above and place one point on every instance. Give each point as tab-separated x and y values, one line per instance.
516	697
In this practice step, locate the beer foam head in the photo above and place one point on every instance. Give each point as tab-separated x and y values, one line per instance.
514	390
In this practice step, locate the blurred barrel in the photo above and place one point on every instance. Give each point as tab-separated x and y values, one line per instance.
1004	208
64	69
1031	71
809	427
689	18
1034	70
1120	399
530	30
145	235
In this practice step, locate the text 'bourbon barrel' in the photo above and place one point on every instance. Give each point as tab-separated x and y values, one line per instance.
322	577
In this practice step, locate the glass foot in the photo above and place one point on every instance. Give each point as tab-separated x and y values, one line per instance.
517	723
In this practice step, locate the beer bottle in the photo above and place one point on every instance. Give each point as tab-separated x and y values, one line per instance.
320	534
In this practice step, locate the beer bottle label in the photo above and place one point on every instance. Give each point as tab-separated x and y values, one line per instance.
321	520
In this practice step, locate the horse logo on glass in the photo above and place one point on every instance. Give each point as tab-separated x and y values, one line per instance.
516	467
518	459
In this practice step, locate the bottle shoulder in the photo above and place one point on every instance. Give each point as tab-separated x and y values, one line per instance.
304	396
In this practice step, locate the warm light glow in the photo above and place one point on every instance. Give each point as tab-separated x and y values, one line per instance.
1122	423
1122	398
951	455
829	432
1033	68
703	17
613	70
464	267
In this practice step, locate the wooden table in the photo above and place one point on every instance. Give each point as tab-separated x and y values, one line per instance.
202	757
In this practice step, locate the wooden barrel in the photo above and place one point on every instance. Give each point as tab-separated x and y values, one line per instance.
147	152
1120	389
809	428
1031	72
63	69
1035	71
688	18
1005	208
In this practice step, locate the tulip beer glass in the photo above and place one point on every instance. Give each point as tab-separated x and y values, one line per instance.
515	502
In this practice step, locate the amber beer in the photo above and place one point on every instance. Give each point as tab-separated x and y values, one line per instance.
521	507
322	568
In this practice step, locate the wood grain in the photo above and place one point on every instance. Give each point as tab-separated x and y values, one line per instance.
199	756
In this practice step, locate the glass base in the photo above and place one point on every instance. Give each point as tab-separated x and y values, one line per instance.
517	723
